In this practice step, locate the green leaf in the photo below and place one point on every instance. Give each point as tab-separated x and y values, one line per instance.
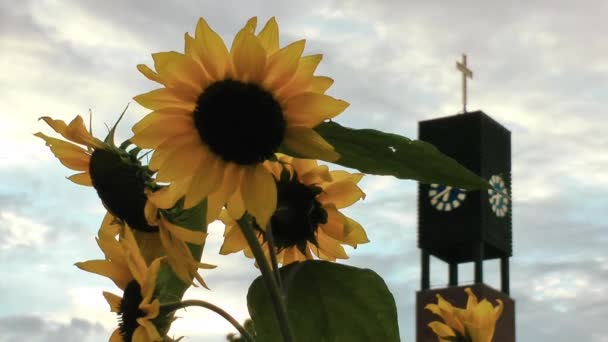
327	302
379	153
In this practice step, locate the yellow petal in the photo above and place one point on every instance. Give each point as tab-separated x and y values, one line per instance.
330	245
302	79
235	205
302	166
211	50
207	178
82	179
472	299
356	234
269	36
181	162
217	200
149	73
163	98
186	235
318	175
161	129
441	330
259	192
77	132
169	146
140	335
248	56
106	269
234	240
116	336
341	194
310	109
113	300
283	64
147	288
180	72
150	328
309	144
341	175
320	84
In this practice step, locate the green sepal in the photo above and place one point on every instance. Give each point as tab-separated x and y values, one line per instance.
327	302
109	139
169	287
378	153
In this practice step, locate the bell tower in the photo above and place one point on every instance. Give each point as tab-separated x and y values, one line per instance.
458	226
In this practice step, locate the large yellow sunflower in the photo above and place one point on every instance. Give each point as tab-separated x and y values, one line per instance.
221	113
307	220
125	265
476	323
122	182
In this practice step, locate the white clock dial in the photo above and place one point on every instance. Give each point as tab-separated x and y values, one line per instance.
499	196
445	197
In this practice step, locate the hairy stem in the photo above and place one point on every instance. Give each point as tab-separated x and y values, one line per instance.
246	225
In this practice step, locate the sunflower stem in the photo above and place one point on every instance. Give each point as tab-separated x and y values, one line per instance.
273	257
246	226
192	302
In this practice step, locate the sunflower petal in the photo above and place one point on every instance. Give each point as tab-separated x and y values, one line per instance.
341	194
309	144
149	73
320	84
209	175
106	269
184	234
162	128
211	50
302	79
283	64
356	234
217	200
249	57
259	192
113	300
269	36
82	179
234	240
442	330
180	163
163	98
330	246
310	109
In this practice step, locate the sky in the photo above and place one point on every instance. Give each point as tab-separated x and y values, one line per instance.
540	69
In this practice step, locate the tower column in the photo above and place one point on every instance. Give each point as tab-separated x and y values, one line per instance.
425	259
453	274
478	255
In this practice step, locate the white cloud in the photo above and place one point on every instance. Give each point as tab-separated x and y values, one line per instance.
16	231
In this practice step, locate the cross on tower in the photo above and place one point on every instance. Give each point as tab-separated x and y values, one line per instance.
466	73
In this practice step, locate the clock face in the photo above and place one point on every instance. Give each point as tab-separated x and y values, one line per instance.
499	196
446	198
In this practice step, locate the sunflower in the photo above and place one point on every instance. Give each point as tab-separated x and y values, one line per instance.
117	176
126	267
221	113
307	220
122	183
476	323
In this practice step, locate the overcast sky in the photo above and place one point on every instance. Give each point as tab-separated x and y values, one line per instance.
540	69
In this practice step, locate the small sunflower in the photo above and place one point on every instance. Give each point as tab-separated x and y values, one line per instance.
117	176
122	184
307	220
126	267
476	323
221	113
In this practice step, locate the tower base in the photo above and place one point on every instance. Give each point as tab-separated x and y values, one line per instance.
505	326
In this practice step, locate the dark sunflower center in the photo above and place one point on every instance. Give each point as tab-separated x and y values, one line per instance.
241	122
129	310
120	185
298	214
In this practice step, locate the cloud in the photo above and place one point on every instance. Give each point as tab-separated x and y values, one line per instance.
38	329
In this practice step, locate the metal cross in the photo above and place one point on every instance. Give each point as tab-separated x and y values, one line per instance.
466	73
